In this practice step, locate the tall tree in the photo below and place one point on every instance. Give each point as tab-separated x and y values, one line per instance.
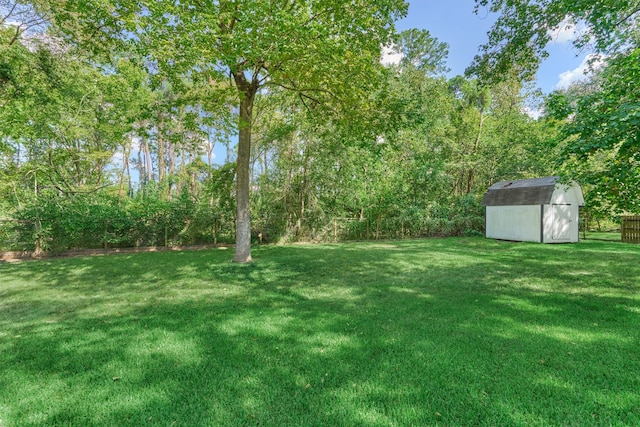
327	51
601	133
518	40
468	118
421	51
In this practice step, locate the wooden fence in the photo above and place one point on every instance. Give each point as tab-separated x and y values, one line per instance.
631	229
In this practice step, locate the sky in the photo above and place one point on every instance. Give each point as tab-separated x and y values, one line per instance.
455	23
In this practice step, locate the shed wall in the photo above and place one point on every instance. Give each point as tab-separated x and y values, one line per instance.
561	223
518	223
568	195
561	217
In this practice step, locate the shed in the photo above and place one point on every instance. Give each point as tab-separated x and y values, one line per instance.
533	210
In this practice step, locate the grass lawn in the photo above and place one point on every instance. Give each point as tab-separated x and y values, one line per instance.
461	331
613	236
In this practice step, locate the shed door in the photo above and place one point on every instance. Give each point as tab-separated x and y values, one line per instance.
561	217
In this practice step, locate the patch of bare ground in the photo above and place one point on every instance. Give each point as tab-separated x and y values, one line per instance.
15	256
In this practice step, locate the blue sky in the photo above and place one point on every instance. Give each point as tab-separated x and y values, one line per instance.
453	22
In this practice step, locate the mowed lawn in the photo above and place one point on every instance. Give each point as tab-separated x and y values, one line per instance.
460	331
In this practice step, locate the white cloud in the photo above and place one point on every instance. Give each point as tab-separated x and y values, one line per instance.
10	23
389	57
589	63
566	32
535	114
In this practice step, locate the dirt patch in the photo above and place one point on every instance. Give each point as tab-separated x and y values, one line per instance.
15	256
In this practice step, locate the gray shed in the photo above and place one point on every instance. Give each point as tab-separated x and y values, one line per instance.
533	210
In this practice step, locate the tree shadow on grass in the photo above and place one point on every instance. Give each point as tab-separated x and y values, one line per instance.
416	333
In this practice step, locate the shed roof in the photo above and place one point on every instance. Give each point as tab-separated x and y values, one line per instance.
537	191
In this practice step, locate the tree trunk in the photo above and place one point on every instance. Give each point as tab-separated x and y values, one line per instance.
123	172
171	158
247	91
476	146
211	145
303	190
147	160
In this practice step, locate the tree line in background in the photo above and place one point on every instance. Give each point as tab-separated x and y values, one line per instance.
115	148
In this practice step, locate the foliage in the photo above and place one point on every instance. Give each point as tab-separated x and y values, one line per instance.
518	39
64	120
600	134
599	139
443	331
330	56
421	51
340	149
84	221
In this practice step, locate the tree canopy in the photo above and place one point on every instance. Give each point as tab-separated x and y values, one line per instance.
111	112
519	38
600	118
326	51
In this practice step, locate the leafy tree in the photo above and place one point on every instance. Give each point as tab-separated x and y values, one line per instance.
601	134
325	50
421	51
62	118
519	38
415	107
69	122
471	107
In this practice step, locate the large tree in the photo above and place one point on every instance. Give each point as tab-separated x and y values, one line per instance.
601	133
326	50
519	38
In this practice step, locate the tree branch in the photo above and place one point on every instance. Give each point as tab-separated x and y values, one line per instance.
9	13
305	91
628	16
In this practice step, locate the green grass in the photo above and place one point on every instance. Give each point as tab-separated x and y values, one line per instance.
613	236
437	332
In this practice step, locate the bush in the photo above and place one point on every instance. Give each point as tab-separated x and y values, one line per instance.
55	223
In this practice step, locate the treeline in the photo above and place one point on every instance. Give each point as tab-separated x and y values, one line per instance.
105	221
116	154
97	156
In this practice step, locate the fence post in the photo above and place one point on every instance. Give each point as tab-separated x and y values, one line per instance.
166	235
37	229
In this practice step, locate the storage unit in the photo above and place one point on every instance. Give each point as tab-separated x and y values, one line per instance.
533	210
